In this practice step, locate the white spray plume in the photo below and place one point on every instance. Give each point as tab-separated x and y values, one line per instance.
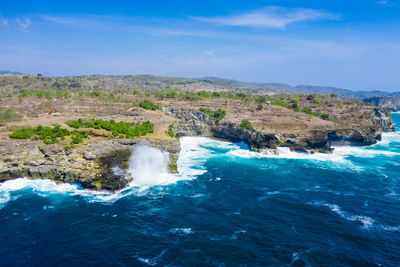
149	166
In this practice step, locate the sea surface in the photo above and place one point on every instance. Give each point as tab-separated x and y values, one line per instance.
228	207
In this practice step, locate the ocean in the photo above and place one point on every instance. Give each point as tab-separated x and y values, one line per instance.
229	206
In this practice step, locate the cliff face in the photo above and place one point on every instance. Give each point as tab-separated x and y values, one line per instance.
193	122
94	165
102	163
386	102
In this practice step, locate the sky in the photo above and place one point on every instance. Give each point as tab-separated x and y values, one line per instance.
353	44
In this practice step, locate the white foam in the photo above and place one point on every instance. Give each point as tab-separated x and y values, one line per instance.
366	222
388	138
362	152
184	231
149	166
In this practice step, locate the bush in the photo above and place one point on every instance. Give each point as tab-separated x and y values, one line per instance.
124	129
147	104
216	94
307	110
259	107
260	100
171	94
218	115
23	133
8	115
316	100
203	94
95	93
171	133
49	135
245	124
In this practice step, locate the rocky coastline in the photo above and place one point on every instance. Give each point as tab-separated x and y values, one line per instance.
93	164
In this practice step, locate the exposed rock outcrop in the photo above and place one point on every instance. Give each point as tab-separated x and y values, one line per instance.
193	122
386	102
93	166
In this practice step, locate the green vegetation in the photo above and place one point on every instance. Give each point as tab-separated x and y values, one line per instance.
119	129
245	124
8	115
218	115
49	135
170	131
147	104
260	100
48	94
282	102
340	106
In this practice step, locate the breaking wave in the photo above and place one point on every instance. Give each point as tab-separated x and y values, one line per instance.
365	221
149	166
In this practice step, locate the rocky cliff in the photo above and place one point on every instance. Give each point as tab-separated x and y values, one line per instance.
386	102
193	122
100	164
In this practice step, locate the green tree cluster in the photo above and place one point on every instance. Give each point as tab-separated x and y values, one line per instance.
149	105
218	114
119	129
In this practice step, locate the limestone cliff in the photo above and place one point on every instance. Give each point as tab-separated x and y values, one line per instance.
93	166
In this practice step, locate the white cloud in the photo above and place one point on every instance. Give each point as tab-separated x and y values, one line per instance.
270	17
208	52
383	2
3	22
23	23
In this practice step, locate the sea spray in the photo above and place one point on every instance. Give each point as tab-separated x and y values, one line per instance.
149	166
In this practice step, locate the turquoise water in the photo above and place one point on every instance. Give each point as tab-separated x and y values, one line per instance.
229	207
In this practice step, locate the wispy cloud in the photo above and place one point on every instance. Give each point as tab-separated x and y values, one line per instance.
73	21
383	2
112	23
208	52
270	17
3	22
23	23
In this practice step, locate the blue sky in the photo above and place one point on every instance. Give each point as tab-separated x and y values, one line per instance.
341	43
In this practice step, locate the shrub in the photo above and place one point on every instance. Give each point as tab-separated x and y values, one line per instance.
259	107
49	135
340	106
149	105
171	94
218	114
171	133
216	94
245	124
316	100
260	100
203	94
94	93
241	95
325	116
307	110
8	115
23	133
121	129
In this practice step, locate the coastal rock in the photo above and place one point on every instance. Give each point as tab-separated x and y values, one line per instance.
385	102
196	123
92	165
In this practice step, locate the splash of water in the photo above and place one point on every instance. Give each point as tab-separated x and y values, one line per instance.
149	166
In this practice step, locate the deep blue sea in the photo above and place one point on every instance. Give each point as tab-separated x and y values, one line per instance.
228	207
